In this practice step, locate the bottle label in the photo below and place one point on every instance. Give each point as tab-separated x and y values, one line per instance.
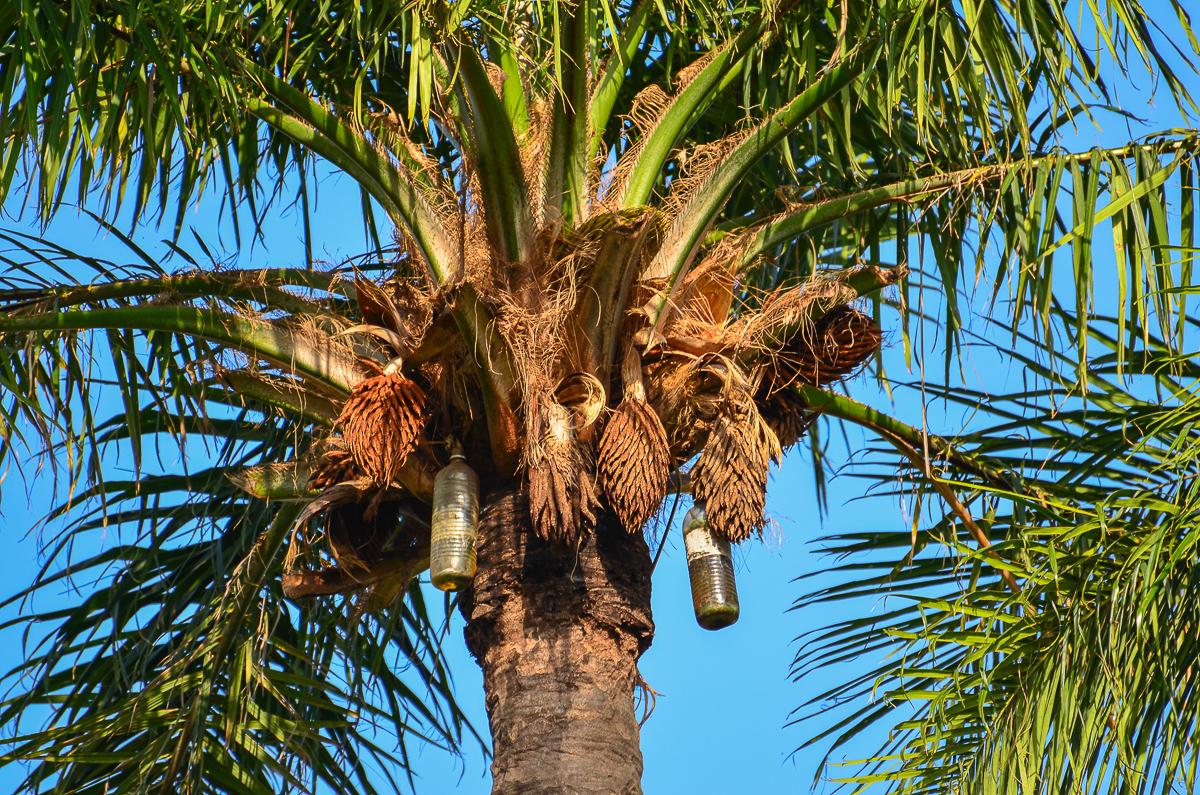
701	544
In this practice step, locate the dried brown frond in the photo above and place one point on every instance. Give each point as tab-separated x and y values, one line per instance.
730	476
583	396
382	422
496	76
648	108
698	312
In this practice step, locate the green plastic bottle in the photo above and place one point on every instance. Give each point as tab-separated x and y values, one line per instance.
710	566
455	527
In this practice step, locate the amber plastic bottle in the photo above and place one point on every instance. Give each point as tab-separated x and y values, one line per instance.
710	566
455	527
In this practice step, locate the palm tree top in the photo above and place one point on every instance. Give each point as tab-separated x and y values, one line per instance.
658	218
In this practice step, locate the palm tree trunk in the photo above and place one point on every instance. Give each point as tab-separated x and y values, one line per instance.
558	636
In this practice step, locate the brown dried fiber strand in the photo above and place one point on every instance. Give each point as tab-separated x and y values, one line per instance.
562	498
382	423
562	495
555	501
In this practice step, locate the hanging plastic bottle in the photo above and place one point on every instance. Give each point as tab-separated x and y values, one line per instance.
710	566
455	526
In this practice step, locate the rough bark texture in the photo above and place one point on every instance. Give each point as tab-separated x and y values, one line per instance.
558	636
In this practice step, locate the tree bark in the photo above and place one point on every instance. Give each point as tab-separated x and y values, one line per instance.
558	635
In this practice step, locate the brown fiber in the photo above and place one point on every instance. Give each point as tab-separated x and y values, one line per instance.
839	343
562	497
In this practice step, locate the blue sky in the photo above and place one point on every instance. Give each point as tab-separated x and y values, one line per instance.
723	698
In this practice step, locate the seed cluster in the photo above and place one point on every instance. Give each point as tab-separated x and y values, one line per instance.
838	345
634	463
381	424
730	476
336	466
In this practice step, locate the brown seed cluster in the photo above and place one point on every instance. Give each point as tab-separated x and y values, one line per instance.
381	423
730	476
634	463
837	346
336	466
786	414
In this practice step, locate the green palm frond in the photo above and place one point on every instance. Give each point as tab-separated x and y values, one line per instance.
1081	680
182	665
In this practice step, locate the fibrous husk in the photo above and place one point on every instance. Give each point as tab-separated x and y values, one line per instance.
634	456
382	423
837	345
399	307
562	497
730	476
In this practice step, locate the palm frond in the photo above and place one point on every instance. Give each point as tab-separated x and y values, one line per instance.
181	665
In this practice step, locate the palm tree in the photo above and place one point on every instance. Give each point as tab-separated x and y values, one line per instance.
624	238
